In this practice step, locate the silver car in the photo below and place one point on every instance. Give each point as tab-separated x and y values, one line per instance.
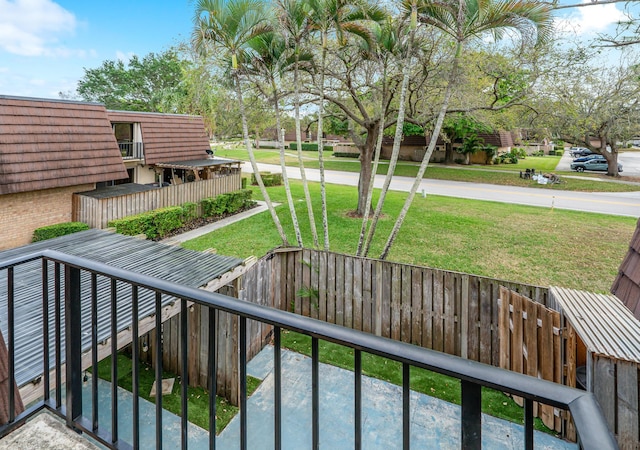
593	164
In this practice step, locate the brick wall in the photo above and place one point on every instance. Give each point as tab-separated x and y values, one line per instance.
22	213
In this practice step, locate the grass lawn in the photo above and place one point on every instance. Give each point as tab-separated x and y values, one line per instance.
198	398
513	242
503	174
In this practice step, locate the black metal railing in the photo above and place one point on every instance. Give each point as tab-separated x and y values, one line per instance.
69	271
131	150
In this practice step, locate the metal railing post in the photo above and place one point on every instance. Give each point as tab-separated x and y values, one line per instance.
73	344
471	423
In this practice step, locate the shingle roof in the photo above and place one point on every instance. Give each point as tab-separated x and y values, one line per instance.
53	143
168	137
175	264
627	284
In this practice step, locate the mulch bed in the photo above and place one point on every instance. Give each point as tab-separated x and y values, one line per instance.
202	221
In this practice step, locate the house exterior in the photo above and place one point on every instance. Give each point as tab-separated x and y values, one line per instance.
51	150
627	283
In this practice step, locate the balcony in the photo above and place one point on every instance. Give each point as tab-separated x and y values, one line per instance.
77	326
131	150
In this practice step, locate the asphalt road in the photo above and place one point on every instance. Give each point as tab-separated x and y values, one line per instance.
614	203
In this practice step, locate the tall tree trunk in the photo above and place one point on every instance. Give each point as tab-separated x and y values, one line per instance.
453	76
367	152
323	189
254	164
395	152
303	174
372	179
285	177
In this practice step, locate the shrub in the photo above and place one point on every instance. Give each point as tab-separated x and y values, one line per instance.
153	224
309	147
268	178
458	161
538	153
559	152
58	229
226	203
189	211
346	154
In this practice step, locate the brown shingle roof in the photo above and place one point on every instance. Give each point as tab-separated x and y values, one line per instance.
627	284
168	137
53	143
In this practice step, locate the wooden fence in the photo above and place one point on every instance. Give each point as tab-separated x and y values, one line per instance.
447	311
98	212
251	287
531	343
615	385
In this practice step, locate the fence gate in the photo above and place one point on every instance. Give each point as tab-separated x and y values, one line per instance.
531	343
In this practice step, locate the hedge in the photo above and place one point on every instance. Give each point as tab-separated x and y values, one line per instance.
268	178
226	203
58	229
346	155
153	224
309	147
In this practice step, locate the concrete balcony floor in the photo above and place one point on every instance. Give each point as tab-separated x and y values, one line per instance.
434	423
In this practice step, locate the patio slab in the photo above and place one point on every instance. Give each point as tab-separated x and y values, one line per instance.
434	422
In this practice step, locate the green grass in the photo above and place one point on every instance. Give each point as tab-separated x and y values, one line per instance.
518	243
198	398
446	388
503	174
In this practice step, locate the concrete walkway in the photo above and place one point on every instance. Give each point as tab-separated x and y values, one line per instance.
434	423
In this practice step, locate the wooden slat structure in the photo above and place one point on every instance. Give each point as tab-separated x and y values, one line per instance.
608	337
98	210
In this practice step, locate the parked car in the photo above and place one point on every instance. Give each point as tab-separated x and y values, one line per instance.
579	151
593	164
587	158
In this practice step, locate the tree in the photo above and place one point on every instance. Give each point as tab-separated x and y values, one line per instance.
269	60
228	25
341	18
594	107
463	129
464	20
293	20
138	85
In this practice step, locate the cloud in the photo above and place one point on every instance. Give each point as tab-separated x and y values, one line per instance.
33	27
124	57
592	19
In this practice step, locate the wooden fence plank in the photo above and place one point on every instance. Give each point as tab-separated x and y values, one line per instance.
557	370
486	297
357	294
366	295
348	292
405	304
385	310
322	285
517	338
427	308
531	341
306	281
416	306
340	289
396	296
473	312
449	314
314	283
627	399
331	287
604	388
503	327
546	359
438	310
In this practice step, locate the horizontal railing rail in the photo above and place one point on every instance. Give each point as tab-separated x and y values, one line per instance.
591	427
131	150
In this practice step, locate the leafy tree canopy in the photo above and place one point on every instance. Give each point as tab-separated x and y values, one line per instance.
141	84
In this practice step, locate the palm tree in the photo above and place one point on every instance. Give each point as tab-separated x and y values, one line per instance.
229	25
341	18
270	59
464	20
293	21
393	42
